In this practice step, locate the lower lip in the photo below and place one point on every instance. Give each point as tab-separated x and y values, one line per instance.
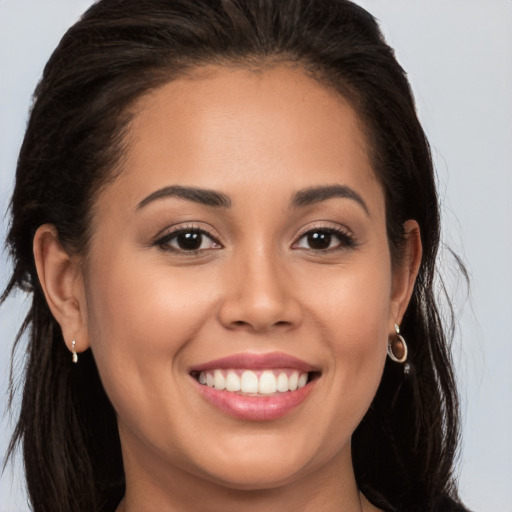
256	408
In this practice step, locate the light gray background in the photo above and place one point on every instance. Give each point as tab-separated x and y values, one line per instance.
458	54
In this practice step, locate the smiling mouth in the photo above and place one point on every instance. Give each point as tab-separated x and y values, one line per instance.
255	382
256	387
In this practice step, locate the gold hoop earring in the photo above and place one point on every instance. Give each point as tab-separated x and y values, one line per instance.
74	357
397	347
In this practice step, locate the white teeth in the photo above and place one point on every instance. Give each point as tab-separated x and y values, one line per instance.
249	382
232	381
282	382
293	381
219	380
268	383
265	382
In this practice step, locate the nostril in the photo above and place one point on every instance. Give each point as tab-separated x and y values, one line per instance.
260	327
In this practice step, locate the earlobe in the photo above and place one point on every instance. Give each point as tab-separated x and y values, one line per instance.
405	274
61	280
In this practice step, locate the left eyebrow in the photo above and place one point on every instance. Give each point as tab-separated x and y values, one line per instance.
318	194
196	195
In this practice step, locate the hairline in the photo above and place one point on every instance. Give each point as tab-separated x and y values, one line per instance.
199	67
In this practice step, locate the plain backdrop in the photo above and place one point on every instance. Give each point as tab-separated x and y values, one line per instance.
458	55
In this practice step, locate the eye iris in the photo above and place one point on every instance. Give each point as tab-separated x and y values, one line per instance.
189	241
319	240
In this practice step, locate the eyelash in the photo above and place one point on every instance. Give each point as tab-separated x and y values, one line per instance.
164	241
346	240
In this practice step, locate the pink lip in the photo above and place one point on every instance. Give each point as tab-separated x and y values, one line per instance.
256	408
255	361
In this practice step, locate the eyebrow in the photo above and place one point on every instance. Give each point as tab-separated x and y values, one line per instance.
196	195
301	198
314	195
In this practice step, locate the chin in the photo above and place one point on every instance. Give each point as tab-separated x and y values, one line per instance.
256	477
266	467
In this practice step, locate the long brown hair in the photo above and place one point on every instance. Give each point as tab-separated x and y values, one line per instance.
404	448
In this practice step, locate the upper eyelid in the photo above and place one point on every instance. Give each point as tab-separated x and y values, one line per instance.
324	226
174	230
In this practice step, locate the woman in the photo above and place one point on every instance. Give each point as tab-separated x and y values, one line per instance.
227	217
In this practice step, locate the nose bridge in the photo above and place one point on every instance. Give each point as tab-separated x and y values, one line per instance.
259	293
264	279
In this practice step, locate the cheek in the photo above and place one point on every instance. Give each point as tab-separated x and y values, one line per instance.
137	301
140	317
354	304
354	314
364	322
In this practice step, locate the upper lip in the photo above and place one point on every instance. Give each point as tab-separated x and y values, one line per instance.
255	361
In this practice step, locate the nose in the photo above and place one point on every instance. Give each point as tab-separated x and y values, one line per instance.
259	295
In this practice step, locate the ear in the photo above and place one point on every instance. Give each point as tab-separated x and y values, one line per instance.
405	273
61	279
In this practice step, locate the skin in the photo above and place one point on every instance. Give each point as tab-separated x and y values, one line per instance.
150	311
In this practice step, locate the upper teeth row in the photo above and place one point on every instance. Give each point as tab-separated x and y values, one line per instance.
248	381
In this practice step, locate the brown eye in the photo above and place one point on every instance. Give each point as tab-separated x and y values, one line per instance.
319	240
325	240
188	240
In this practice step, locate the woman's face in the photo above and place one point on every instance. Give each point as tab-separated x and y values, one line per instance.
242	245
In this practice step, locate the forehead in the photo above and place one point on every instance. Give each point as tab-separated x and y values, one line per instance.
221	127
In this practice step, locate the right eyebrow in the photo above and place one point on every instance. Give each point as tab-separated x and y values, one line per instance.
196	195
318	194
